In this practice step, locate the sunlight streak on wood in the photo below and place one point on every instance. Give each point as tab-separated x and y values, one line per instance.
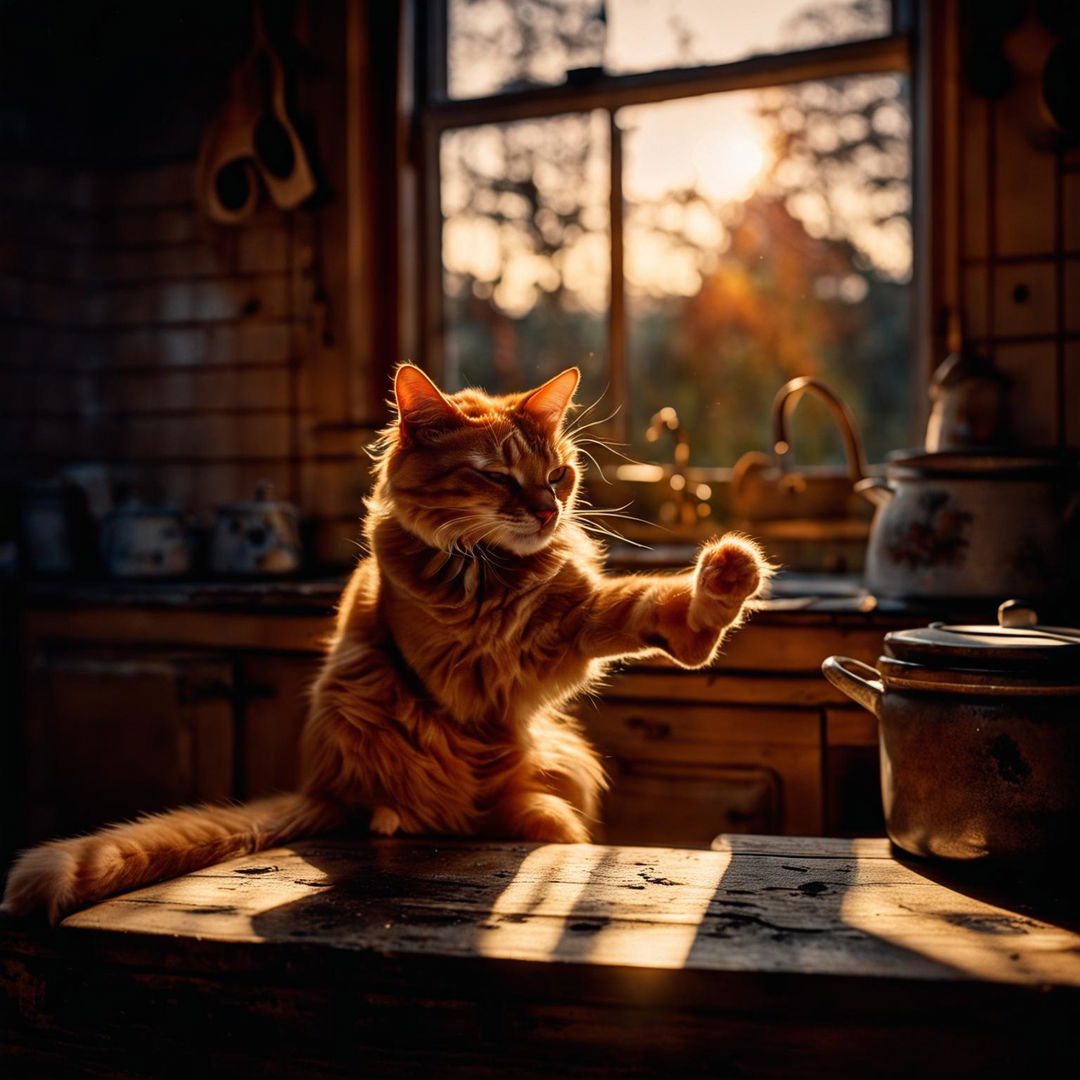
541	916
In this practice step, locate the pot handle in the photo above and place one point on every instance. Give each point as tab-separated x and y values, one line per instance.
867	692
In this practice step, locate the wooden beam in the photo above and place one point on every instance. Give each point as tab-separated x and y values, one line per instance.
604	91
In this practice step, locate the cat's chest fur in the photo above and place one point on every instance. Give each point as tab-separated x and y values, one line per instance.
484	642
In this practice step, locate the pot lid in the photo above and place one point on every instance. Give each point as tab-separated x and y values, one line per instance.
262	503
1017	645
132	508
982	464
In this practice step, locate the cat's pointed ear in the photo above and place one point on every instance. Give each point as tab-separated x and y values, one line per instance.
548	404
423	409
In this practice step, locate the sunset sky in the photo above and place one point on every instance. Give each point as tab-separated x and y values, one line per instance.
715	144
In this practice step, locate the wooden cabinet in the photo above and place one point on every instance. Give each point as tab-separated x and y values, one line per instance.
112	733
132	708
759	743
683	772
852	774
274	690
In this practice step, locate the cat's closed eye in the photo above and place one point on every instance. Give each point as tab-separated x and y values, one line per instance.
504	479
557	476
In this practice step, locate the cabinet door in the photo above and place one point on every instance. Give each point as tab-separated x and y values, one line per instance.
682	773
113	734
682	805
852	774
275	689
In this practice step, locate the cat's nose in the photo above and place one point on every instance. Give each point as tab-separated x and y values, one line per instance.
542	505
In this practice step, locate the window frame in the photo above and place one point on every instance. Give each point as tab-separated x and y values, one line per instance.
435	113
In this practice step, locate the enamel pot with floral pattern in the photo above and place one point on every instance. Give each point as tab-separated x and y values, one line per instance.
967	524
979	734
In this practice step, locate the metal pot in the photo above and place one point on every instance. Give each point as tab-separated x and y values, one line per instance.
260	537
140	541
979	736
959	524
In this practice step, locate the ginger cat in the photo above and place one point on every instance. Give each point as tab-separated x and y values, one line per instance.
480	611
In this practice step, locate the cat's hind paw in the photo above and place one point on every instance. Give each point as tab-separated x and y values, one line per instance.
384	821
547	819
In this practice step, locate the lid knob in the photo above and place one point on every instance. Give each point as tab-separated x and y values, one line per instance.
1015	614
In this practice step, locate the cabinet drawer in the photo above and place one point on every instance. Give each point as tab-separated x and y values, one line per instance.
688	805
684	742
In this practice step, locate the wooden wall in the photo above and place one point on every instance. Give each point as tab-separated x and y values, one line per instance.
145	339
141	343
1018	244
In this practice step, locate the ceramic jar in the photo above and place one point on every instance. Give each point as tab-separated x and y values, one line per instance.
256	538
142	541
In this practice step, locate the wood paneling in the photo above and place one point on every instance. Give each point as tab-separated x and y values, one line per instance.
1018	204
1033	395
1025	299
974	196
748	767
113	734
275	692
1072	392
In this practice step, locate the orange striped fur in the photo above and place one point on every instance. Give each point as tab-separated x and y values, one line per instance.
480	611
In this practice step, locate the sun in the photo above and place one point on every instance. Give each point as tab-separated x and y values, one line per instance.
729	160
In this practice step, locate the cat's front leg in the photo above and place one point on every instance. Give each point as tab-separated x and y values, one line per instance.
686	616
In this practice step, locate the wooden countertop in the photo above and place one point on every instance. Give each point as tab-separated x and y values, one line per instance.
768	956
793	594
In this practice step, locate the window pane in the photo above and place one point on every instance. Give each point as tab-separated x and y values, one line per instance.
643	35
500	45
768	236
526	267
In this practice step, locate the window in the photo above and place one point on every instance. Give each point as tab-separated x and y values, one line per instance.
693	200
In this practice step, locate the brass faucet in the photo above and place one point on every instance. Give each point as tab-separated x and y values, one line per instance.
784	402
678	508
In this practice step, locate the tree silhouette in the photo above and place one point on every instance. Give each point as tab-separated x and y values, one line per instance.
806	276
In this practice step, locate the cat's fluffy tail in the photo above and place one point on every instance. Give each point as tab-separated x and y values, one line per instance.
62	875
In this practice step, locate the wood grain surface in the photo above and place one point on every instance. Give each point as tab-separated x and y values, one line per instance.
767	956
755	904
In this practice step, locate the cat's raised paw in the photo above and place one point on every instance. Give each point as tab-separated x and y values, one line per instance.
731	569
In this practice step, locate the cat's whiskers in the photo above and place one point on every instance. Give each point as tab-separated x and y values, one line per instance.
584	518
596	464
600	530
577	423
613	512
610	447
463	523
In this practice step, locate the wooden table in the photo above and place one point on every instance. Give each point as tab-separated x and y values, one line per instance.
768	956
